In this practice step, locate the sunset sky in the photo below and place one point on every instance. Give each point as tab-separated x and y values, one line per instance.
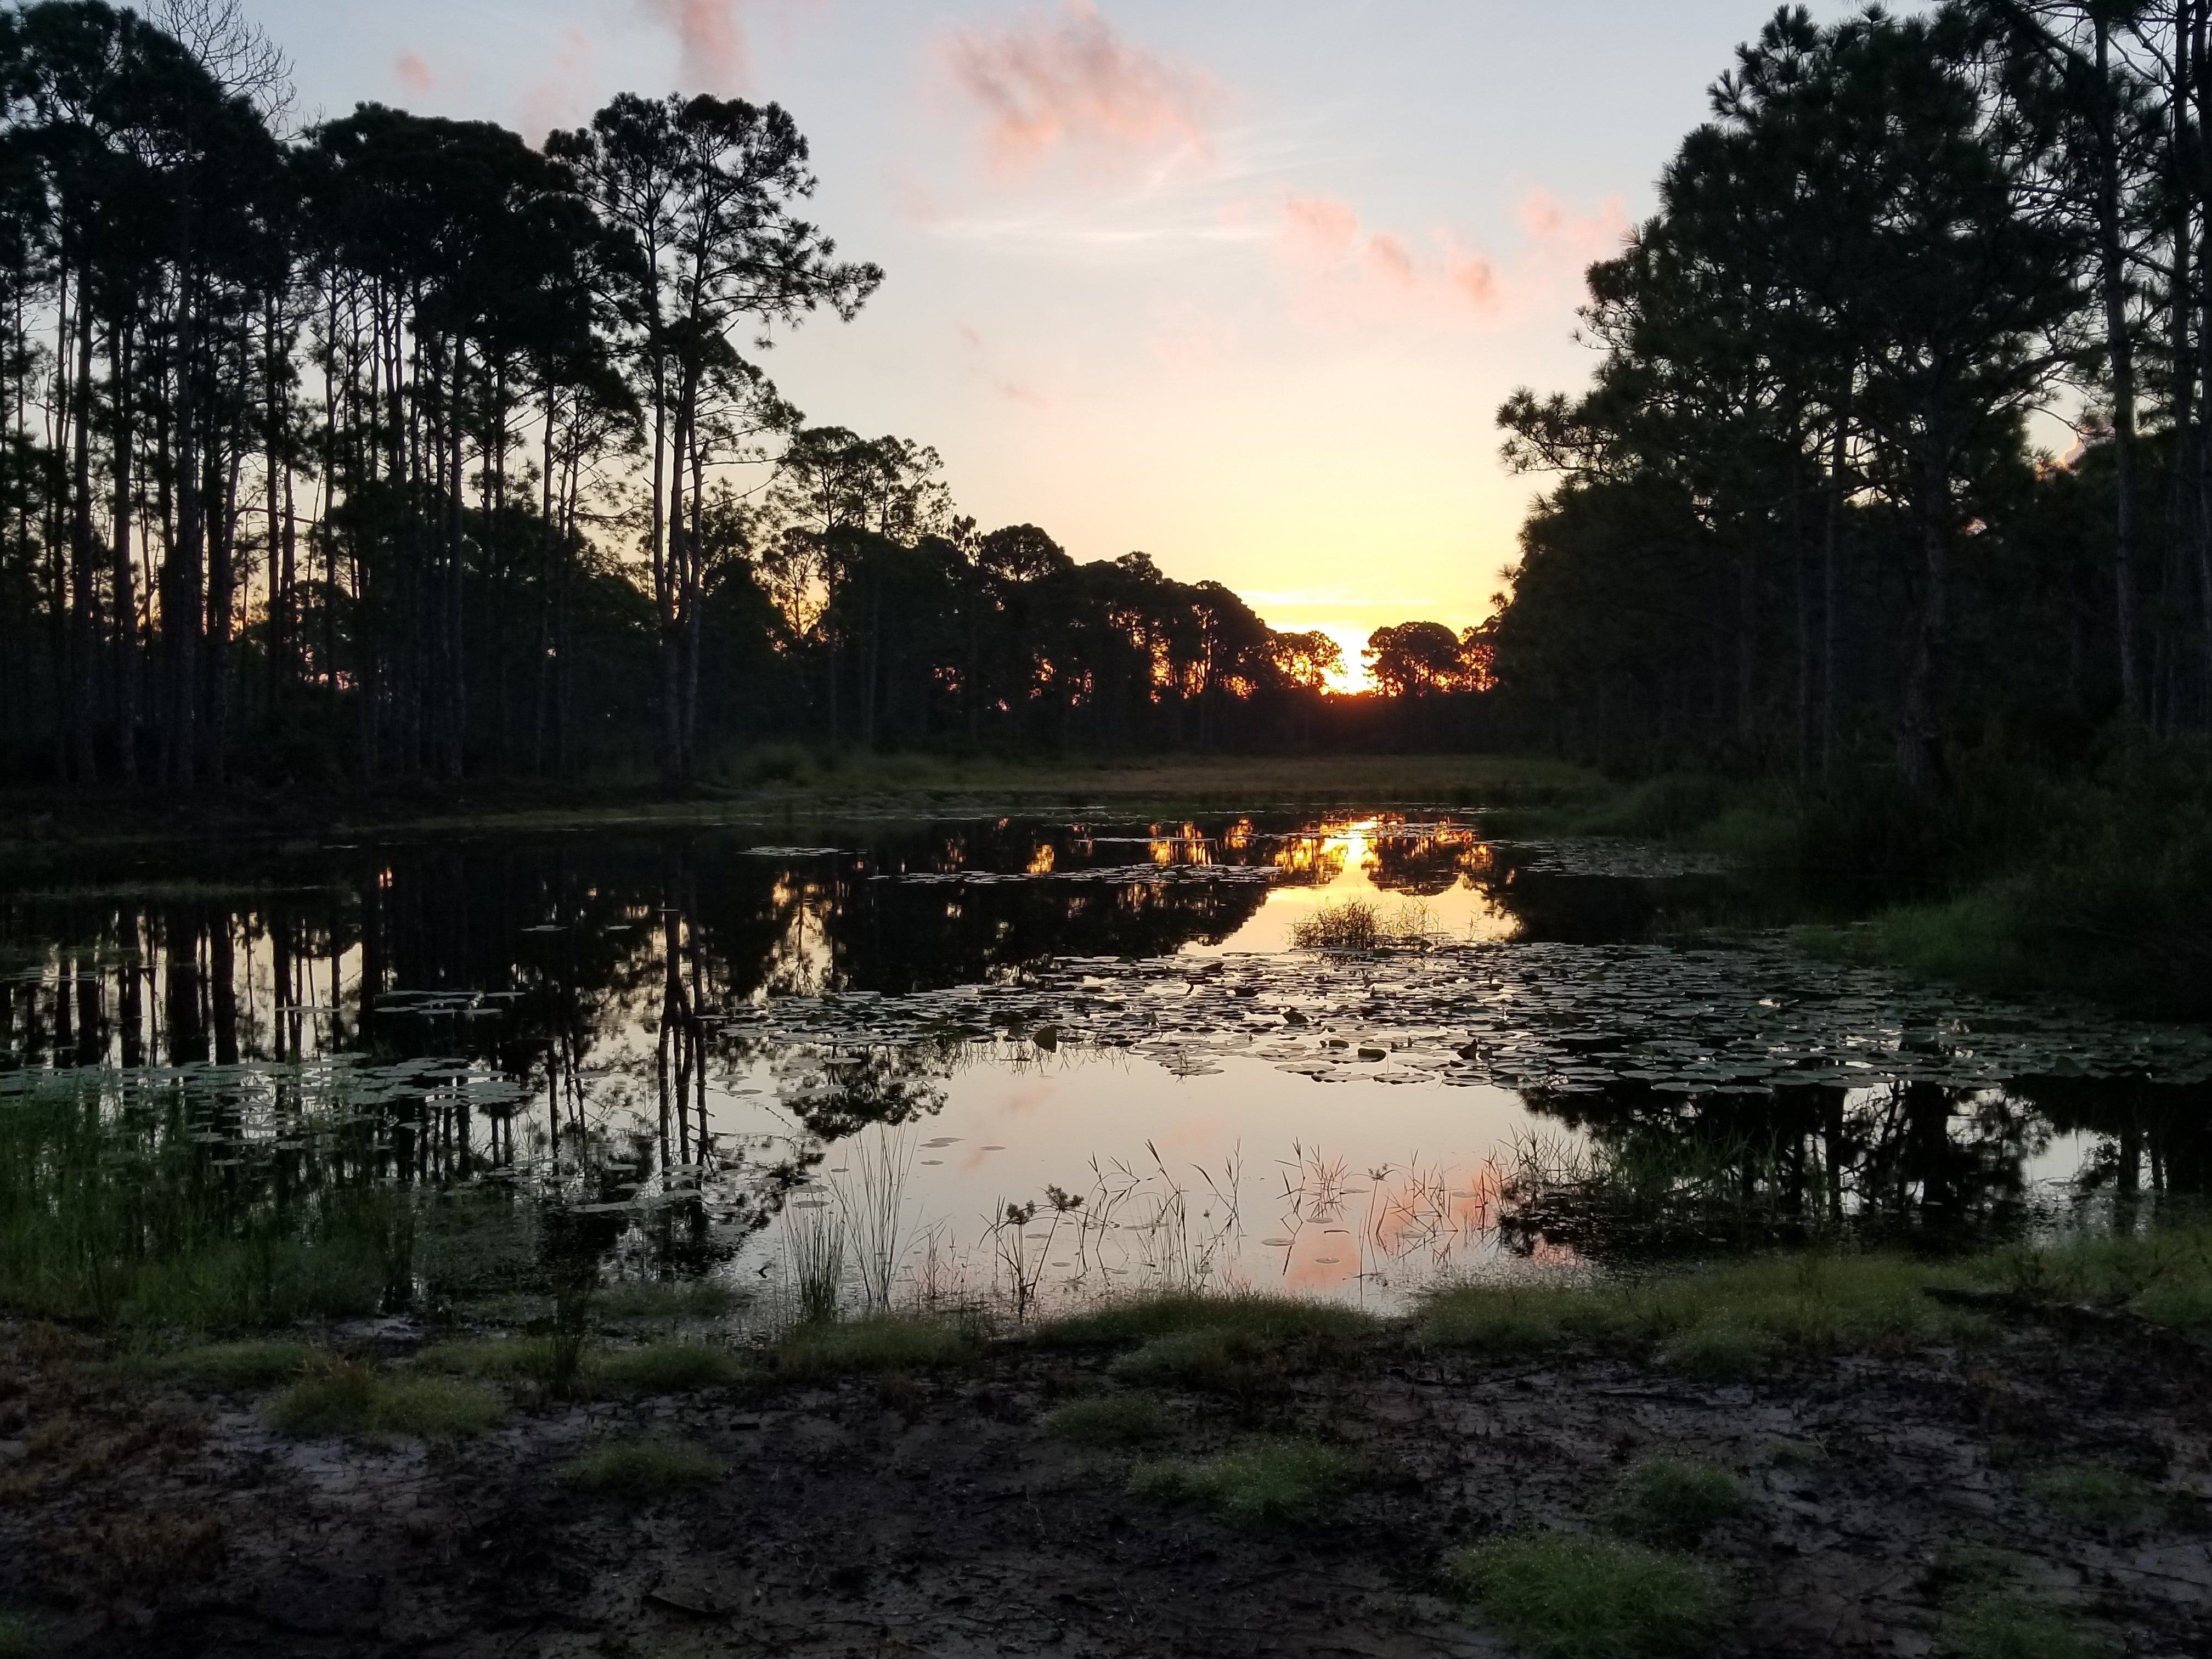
1238	284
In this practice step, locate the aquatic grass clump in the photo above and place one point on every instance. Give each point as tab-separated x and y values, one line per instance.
510	1359
1112	1420
639	1471
666	1368
1358	925
2092	1494
1671	1500
1569	1596
1510	1318
881	1344
1269	1483
232	1365
340	1398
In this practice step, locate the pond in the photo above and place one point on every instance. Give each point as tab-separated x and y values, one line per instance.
1018	1060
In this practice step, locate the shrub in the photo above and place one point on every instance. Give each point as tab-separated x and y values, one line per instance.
1267	1484
1573	1597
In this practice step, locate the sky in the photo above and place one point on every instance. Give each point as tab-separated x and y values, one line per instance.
1238	284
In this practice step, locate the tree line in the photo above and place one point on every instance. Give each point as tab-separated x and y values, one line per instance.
1811	514
389	445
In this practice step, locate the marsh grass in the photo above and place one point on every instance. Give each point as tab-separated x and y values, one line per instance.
2164	1275
877	1346
1112	1420
1567	1597
234	1365
1668	1500
2092	1495
1358	925
639	1471
662	1302
338	1398
2012	1624
511	1360
814	1260
666	1368
1269	1483
1721	1320
1275	1320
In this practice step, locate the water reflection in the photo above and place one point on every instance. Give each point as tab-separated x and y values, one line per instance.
573	1020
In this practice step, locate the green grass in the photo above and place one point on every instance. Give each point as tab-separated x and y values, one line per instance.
638	1471
2164	1275
1269	1483
886	1343
1565	1596
18	1637
2011	1624
1112	1420
338	1398
1273	1321
2092	1495
232	1365
665	1368
1720	1321
1669	1500
519	1359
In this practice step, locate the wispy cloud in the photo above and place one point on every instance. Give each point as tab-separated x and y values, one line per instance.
415	72
1345	273
1071	85
710	39
981	363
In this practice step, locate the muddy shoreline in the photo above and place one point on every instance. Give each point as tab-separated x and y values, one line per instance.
938	1513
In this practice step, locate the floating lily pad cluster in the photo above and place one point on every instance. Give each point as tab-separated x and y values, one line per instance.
1749	1017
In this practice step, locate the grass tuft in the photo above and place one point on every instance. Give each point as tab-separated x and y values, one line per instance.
647	1301
1573	1597
1113	1419
1273	1320
638	1471
337	1397
18	1637
2092	1495
887	1342
1669	1500
2010	1623
666	1367
1270	1483
1719	1320
236	1364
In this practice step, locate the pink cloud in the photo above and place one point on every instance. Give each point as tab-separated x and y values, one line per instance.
980	362
558	100
1072	84
415	72
711	39
1345	274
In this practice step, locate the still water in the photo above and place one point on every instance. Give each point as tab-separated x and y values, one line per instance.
1033	1058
